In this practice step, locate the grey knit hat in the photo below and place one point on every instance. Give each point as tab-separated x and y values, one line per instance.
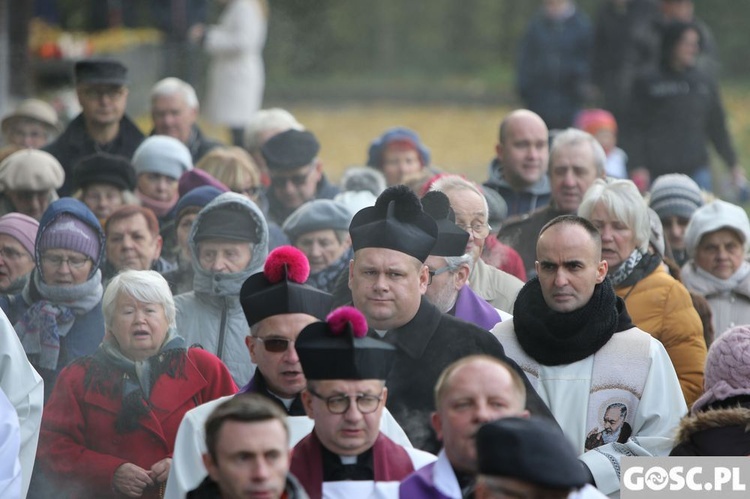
727	372
318	214
163	155
675	194
712	217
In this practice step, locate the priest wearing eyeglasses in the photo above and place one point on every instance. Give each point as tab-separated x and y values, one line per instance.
277	305
346	455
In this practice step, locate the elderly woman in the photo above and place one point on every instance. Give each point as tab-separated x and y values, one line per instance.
718	421
717	241
28	181
159	162
110	426
33	124
656	302
17	236
58	315
104	182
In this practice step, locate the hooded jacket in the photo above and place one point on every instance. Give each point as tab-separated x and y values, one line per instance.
88	329
519	202
715	432
210	315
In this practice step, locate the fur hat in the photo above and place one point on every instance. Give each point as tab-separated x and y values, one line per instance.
727	372
712	217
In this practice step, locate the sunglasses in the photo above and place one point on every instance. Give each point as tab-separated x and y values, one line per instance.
297	180
275	345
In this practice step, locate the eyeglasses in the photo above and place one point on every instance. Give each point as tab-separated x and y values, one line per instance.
439	271
275	345
98	92
12	254
297	180
339	404
479	229
74	262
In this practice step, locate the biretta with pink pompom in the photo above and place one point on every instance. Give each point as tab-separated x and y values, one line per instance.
281	288
339	348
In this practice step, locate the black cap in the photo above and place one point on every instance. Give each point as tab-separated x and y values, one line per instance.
396	222
531	451
340	349
452	239
102	71
280	288
227	222
290	149
104	168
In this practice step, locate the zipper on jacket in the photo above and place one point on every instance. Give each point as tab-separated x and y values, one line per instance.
222	332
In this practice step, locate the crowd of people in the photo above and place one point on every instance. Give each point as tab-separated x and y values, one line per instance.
183	318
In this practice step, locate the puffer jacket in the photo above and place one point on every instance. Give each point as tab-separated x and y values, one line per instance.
661	306
210	315
730	308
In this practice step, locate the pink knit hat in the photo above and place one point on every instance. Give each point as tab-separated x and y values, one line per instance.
22	228
727	372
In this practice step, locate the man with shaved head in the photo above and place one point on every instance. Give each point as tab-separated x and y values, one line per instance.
518	170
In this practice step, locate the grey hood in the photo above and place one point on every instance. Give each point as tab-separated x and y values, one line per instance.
208	282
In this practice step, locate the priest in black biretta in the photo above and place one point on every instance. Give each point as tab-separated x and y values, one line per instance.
340	349
396	222
281	289
451	239
527	451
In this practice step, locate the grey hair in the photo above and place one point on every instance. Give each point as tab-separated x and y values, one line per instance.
455	182
619	405
363	178
147	286
175	86
456	261
624	202
572	137
264	120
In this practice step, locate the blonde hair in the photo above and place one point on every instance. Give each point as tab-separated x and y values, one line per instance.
232	166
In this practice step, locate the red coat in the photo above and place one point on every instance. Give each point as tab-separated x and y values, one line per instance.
78	444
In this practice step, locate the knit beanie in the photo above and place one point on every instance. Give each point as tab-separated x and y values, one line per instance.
31	170
70	233
712	217
675	194
593	121
196	198
163	155
727	372
22	228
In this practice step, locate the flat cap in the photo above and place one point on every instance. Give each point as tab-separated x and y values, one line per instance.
101	71
34	109
318	214
290	149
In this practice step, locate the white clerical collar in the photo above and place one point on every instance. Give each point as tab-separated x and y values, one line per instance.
381	332
287	402
348	459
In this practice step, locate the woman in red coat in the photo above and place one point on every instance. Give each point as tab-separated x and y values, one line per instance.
109	427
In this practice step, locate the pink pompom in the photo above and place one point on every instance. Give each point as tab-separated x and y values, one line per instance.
339	318
289	257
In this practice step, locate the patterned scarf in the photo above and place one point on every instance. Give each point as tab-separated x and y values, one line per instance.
138	377
555	338
325	280
51	318
618	275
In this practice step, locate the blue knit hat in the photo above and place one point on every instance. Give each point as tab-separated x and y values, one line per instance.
196	198
378	146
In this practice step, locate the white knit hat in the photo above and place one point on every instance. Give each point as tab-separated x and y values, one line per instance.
164	155
712	217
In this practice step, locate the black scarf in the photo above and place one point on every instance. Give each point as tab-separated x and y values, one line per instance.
554	338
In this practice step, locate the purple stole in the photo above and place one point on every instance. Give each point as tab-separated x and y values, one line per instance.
471	308
391	462
420	484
